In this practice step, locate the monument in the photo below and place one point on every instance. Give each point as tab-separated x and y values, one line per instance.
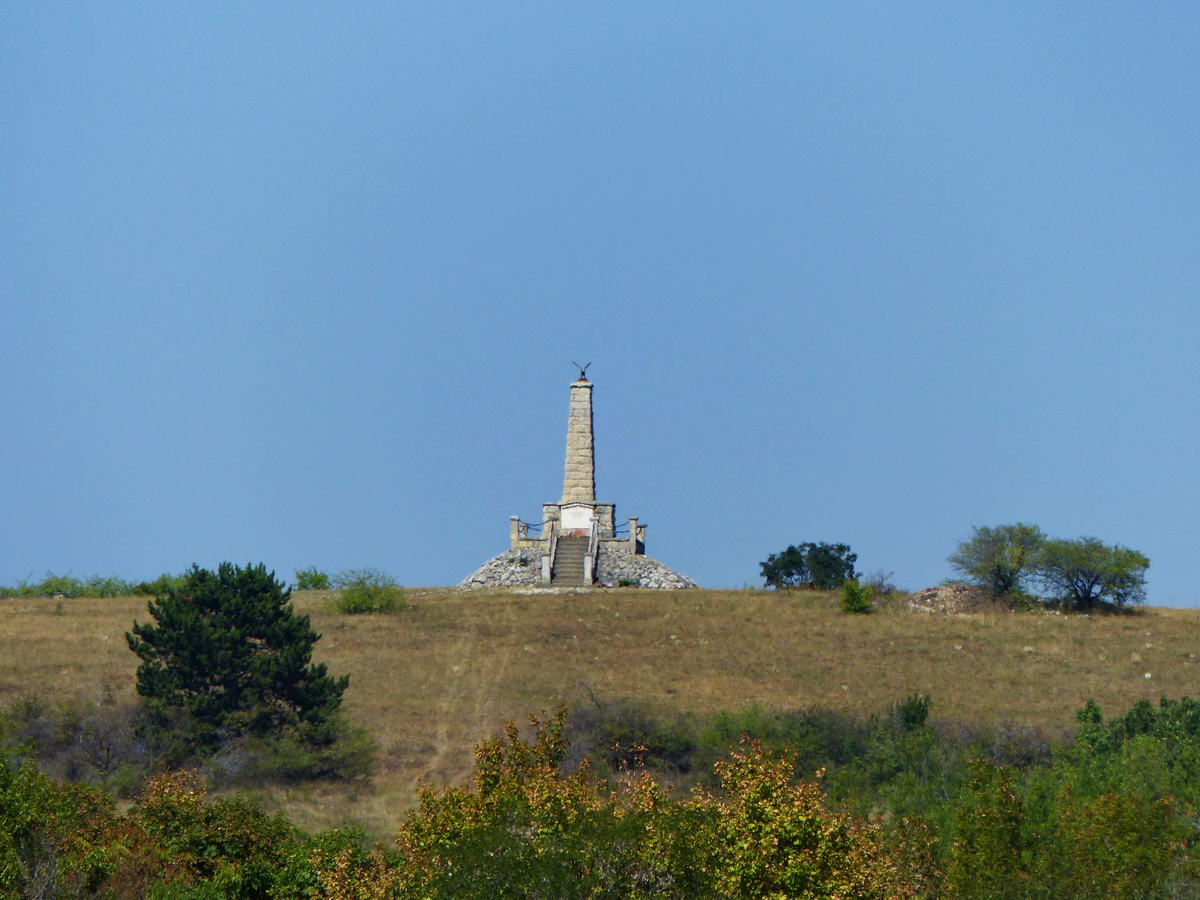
578	542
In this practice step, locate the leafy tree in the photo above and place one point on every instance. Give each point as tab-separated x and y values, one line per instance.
817	566
1085	572
228	649
1001	558
774	837
988	859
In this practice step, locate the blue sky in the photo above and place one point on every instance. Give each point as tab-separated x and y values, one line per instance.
300	284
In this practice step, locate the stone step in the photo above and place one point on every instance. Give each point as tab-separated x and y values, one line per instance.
568	561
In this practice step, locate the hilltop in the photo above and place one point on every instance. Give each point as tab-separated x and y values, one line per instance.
433	680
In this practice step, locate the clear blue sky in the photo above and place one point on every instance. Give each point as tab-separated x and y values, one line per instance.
299	283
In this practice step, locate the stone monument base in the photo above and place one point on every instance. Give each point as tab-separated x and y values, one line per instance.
521	567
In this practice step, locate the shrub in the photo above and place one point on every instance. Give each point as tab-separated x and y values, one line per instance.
100	743
624	735
69	586
911	712
230	651
333	750
161	585
367	591
816	738
311	579
882	582
856	598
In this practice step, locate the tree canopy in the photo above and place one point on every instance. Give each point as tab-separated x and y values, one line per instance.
1081	574
1001	558
229	649
1085	572
818	566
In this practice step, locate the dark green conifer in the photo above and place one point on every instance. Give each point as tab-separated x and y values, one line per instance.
229	649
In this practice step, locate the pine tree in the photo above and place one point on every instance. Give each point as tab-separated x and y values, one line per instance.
229	649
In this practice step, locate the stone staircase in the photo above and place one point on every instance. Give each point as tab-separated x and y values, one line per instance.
568	562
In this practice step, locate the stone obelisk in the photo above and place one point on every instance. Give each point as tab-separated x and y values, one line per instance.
579	471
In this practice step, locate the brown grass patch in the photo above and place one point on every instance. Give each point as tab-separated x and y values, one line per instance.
433	680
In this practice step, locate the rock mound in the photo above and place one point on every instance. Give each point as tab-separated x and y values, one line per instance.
523	568
615	566
959	599
951	599
519	567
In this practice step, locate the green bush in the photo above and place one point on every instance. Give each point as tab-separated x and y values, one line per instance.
99	743
227	848
816	738
911	712
623	734
335	750
367	591
69	586
161	585
856	598
311	579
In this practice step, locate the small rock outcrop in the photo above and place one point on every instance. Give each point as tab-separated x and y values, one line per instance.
521	567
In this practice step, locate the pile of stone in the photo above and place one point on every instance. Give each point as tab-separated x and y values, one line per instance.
961	599
519	567
614	567
522	567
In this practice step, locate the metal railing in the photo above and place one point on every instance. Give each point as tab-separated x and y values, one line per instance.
524	529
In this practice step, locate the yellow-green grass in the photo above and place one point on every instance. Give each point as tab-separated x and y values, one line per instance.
431	681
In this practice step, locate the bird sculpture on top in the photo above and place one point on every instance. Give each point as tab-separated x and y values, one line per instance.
582	370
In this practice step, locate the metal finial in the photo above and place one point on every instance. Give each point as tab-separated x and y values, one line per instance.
582	370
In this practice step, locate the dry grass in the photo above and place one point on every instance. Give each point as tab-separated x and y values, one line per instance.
433	680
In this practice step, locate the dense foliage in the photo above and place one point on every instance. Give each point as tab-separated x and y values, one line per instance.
801	803
53	585
817	566
1080	574
229	651
69	586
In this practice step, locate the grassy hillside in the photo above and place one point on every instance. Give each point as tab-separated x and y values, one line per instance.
431	681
